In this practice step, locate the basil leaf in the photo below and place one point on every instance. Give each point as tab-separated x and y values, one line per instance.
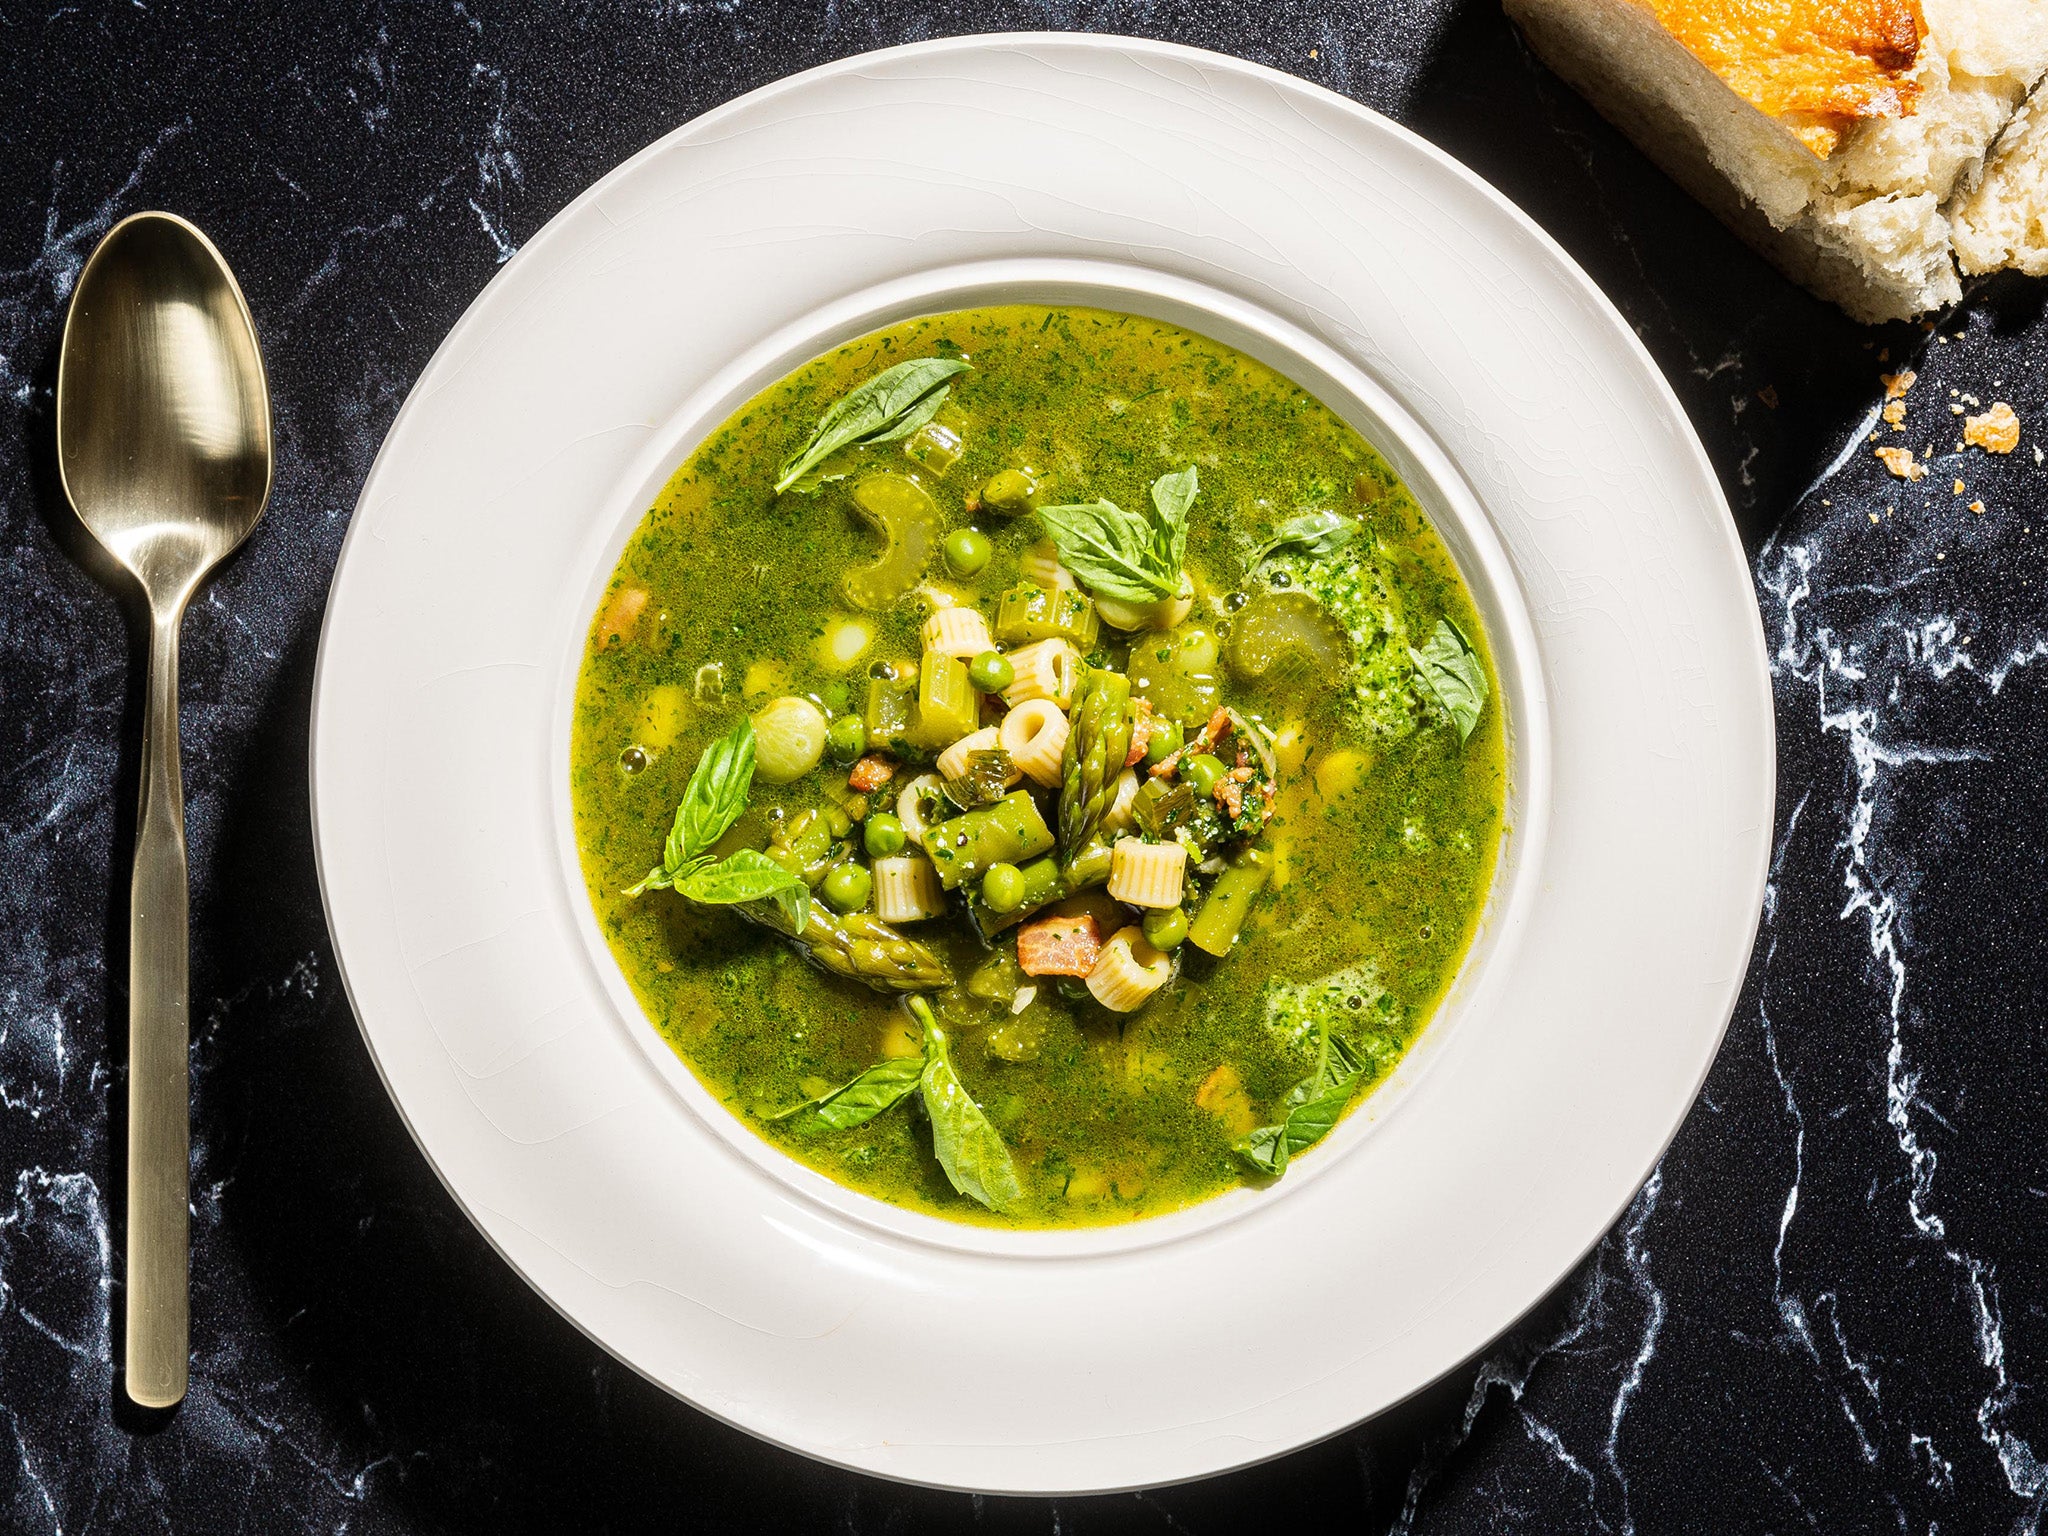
716	796
1309	1123
1316	1104
1271	1147
1450	670
1335	1061
968	1147
1118	554
1314	535
749	876
1265	1149
662	878
882	1086
892	404
1172	496
1109	551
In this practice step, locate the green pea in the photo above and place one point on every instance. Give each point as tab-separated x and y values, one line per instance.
848	887
991	672
1166	739
1002	887
1202	773
967	551
846	739
836	695
1165	928
838	821
1010	492
883	835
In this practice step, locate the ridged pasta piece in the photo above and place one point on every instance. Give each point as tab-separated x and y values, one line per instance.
953	761
1128	971
1047	670
958	632
918	793
1035	735
1118	816
907	888
1041	563
1147	874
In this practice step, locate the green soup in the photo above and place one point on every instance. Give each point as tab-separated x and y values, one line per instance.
1362	771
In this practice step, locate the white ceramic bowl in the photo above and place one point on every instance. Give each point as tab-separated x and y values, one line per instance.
1325	373
1360	262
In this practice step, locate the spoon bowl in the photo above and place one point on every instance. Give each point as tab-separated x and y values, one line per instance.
164	447
163	411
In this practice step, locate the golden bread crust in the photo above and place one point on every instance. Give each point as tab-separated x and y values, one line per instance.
1817	66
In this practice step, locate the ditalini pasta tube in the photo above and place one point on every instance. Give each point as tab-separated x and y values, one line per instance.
1047	670
1128	971
953	761
921	793
1147	874
1035	736
907	889
958	632
1041	563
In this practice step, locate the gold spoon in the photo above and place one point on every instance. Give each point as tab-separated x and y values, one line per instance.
163	442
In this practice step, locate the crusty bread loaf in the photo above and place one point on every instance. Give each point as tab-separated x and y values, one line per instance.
2003	222
1830	144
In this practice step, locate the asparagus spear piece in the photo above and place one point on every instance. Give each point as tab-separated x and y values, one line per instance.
1097	744
859	946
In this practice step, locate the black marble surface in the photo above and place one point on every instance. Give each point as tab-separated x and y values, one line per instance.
1825	1310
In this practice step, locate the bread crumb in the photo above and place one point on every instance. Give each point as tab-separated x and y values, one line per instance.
1900	461
1895	414
1959	487
1873	517
1996	431
1977	507
1970	399
1896	384
1954	409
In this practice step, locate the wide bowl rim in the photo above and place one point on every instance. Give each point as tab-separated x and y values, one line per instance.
1487	1302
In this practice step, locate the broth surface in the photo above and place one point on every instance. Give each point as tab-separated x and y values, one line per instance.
1385	833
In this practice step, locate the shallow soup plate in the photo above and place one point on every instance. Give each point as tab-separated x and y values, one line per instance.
1307	233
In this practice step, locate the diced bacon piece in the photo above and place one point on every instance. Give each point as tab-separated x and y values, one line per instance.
871	773
621	613
1217	728
1141	733
1230	796
1059	946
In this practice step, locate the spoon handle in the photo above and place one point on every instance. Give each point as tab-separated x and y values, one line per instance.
159	1130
